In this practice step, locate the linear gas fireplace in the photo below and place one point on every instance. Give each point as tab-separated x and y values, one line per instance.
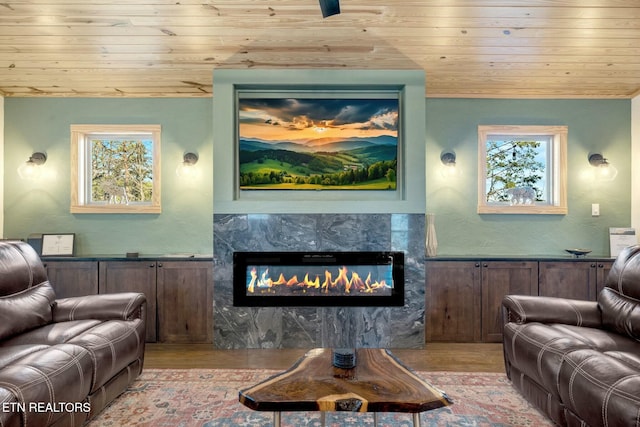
267	279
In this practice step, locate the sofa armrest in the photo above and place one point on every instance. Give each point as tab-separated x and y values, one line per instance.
118	306
526	308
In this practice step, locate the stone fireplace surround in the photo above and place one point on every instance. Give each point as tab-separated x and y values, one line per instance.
307	327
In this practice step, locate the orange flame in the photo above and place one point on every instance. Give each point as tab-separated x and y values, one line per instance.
341	282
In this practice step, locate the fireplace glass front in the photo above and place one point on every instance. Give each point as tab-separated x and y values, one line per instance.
267	279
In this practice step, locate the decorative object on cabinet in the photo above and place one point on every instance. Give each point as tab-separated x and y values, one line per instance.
431	239
578	253
620	238
30	169
522	169
58	244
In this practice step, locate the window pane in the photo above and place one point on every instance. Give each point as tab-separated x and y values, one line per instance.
517	169
121	169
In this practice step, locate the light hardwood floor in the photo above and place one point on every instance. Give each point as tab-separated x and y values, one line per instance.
434	357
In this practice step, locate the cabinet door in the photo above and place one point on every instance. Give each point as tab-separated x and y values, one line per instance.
568	279
602	271
185	301
453	301
132	276
500	278
73	278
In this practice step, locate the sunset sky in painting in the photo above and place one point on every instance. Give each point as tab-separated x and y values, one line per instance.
302	120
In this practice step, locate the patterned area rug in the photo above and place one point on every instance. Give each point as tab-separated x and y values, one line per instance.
209	398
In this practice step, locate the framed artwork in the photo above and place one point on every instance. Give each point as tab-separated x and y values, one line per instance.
522	169
58	244
318	140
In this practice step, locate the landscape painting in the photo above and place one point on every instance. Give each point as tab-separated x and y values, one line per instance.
297	143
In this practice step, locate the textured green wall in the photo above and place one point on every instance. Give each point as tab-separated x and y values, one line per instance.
594	126
185	225
42	124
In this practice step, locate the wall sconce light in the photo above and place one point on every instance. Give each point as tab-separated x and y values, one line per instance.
448	159
188	165
32	167
604	171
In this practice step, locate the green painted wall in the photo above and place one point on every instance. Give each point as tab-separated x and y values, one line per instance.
594	126
185	225
42	124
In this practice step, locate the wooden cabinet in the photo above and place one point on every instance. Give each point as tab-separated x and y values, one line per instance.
73	278
185	301
464	298
179	296
132	276
573	279
500	278
179	293
453	301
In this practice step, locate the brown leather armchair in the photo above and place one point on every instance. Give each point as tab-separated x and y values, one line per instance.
579	361
62	361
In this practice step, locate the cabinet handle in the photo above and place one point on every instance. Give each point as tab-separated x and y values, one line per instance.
160	265
485	265
593	265
152	265
477	264
600	265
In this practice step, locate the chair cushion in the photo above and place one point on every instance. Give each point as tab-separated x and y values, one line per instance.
26	310
620	313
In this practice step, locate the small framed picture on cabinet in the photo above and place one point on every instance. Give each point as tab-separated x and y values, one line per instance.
58	244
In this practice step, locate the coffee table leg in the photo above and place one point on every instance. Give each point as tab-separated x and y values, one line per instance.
416	419
323	418
276	419
375	419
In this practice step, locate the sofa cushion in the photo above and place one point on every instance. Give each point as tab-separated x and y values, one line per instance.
20	267
53	333
10	354
113	345
600	389
536	350
620	313
9	418
26	310
57	375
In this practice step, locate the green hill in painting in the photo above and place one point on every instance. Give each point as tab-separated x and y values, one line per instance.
353	164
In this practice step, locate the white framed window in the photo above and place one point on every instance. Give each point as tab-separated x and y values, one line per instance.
522	169
115	169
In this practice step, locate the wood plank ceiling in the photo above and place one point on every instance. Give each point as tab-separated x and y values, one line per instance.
468	48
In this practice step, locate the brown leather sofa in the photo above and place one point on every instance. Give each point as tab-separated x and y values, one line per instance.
62	361
579	361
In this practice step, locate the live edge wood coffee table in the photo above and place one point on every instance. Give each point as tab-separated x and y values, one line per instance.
378	383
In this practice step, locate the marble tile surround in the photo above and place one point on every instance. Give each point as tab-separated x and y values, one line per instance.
306	327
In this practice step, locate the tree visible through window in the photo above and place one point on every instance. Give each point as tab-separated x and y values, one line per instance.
121	169
115	168
522	169
516	169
